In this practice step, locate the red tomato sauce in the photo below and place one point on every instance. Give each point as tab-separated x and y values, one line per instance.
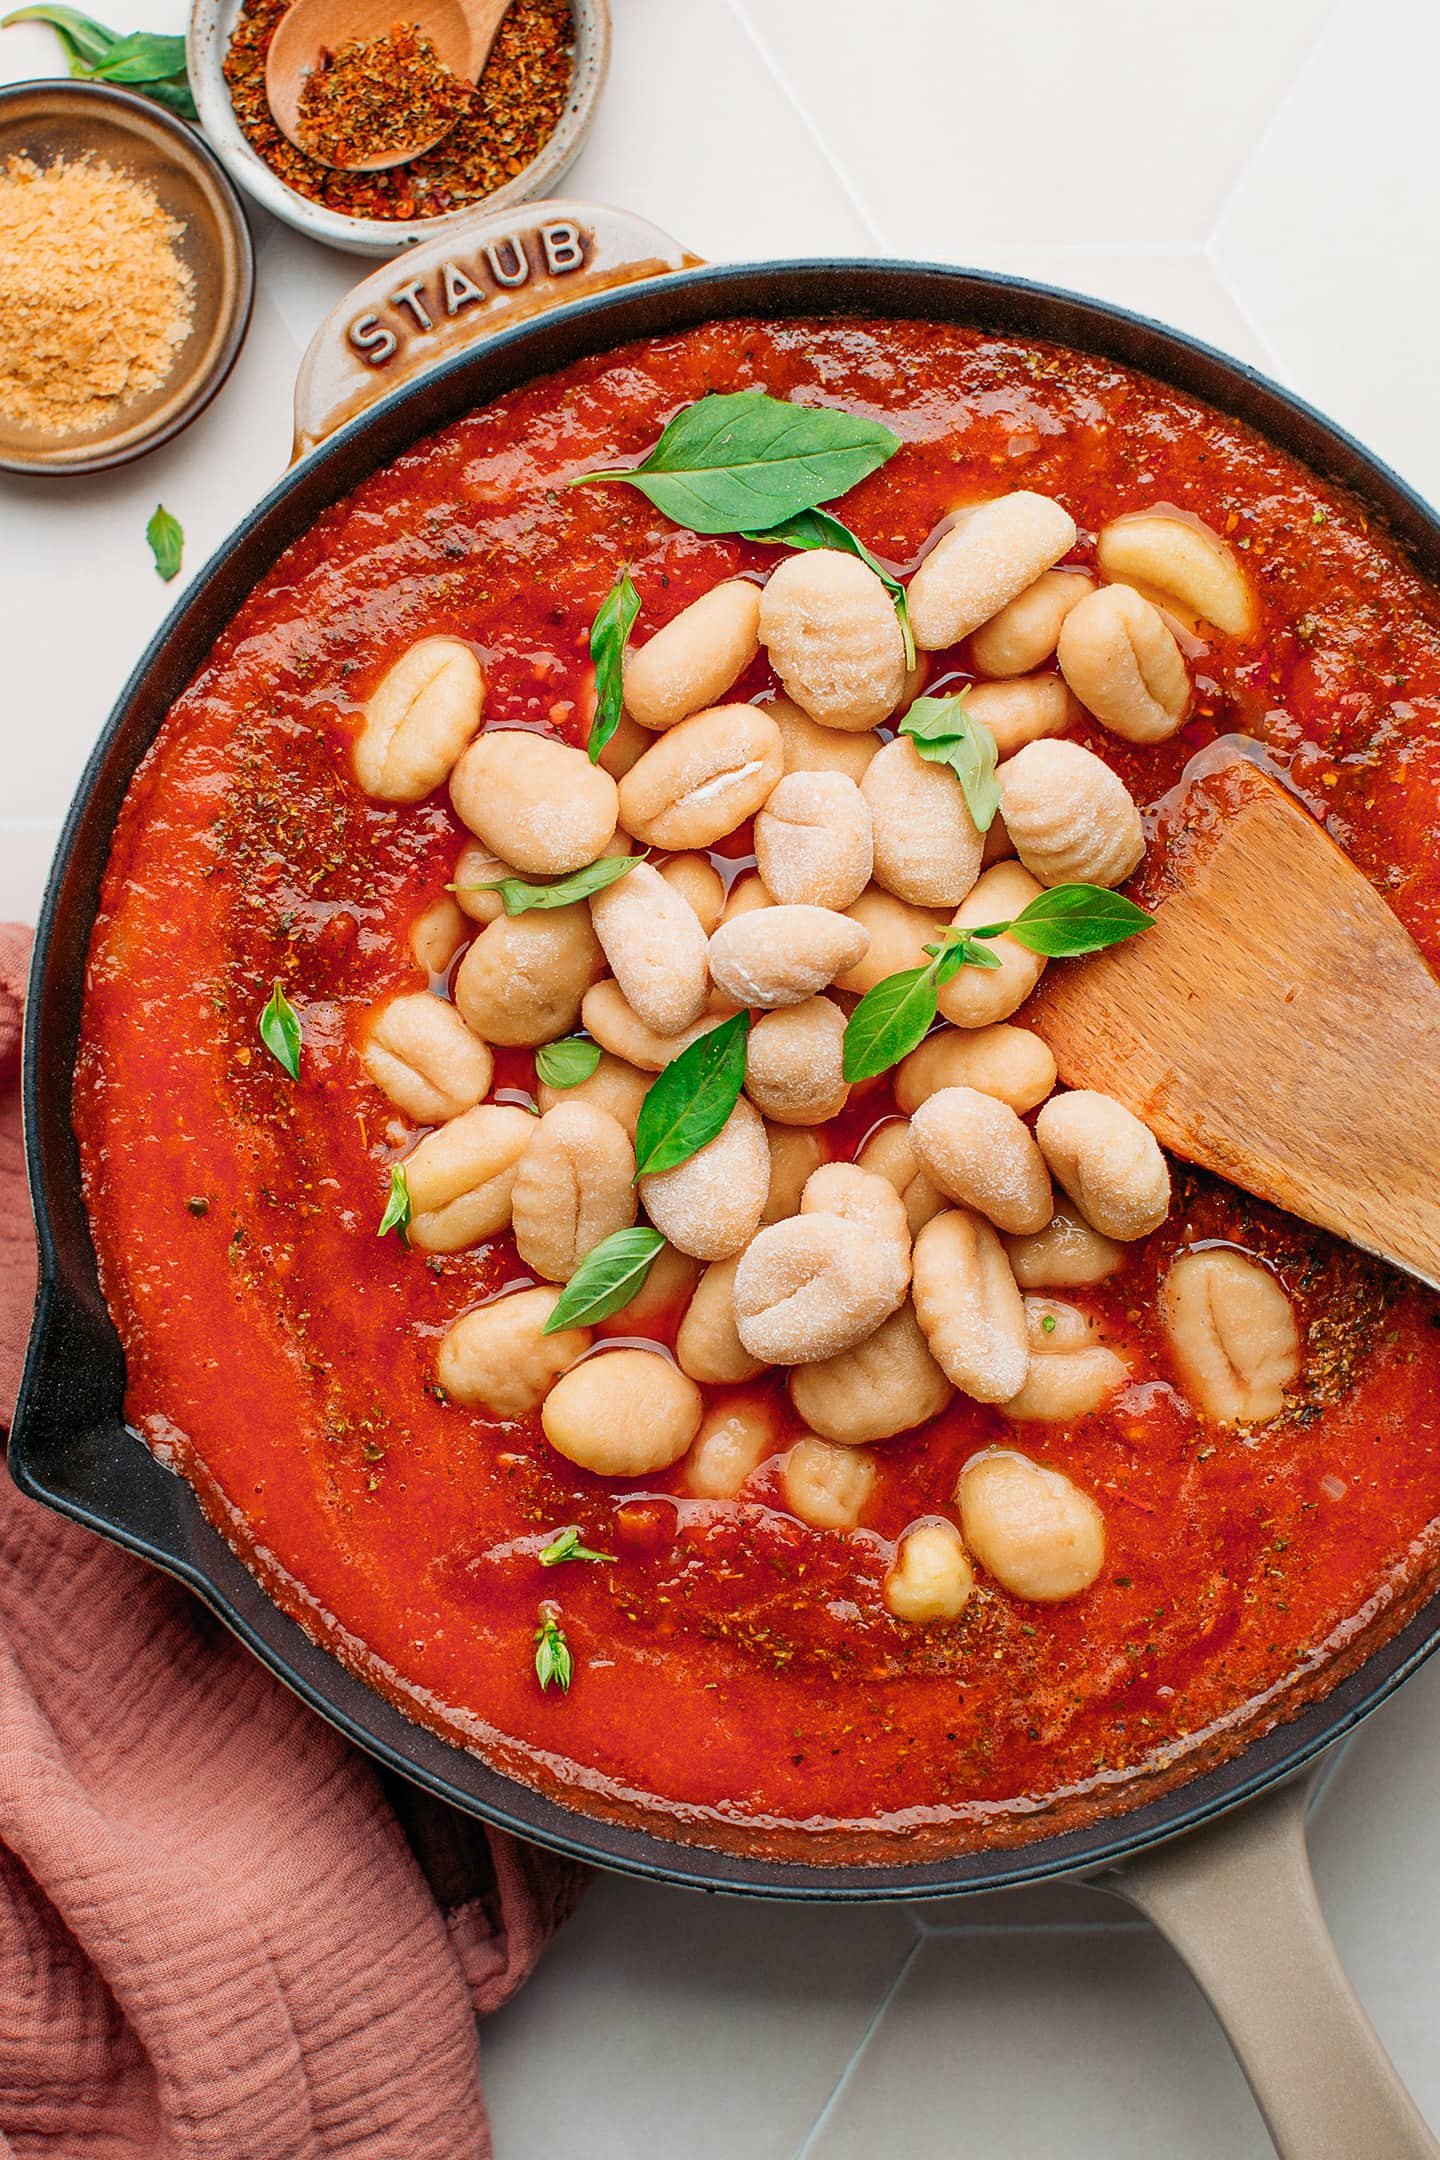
738	1680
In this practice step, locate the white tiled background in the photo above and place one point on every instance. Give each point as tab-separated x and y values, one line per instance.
1260	172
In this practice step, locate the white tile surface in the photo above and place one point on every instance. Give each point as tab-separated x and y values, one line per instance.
1261	173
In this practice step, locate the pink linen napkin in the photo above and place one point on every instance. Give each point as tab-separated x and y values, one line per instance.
217	1942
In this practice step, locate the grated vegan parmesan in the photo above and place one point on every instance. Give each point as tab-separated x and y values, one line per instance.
94	301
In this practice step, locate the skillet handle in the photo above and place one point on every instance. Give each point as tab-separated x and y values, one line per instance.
486	274
1237	1900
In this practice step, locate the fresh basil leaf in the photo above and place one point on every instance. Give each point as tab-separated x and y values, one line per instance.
397	1208
739	461
566	1545
614	621
888	1023
565	1064
943	732
687	1103
606	1278
86	40
818	529
553	1662
959	949
1072	919
143	57
517	897
174	94
280	1031
166	536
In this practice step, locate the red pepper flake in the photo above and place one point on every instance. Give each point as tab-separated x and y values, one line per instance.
515	110
378	95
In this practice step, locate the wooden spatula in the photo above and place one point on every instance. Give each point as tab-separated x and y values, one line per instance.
1277	1025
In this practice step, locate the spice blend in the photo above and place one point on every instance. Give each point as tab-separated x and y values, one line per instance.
378	95
515	110
94	301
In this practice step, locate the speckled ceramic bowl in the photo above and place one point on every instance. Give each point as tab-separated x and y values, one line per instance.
206	43
46	120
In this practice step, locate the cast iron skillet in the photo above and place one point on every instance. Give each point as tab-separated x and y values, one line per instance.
1235	1895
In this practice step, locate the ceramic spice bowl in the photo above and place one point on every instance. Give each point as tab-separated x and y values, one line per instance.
212	24
52	121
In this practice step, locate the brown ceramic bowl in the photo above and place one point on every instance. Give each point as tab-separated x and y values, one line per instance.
46	120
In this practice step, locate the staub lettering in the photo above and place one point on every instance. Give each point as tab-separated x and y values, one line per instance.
417	309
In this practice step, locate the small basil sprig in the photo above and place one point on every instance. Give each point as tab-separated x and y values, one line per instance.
606	1278
553	1662
566	1545
945	734
166	536
818	529
280	1031
897	1015
517	896
609	633
739	461
688	1103
398	1210
147	62
566	1063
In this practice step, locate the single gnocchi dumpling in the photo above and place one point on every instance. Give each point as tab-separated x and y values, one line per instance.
990	554
498	1357
615	1085
1232	1334
1124	666
978	997
694	659
794	1063
1071	1371
1071	819
812	1286
932	1579
1066	1254
461	1177
1179	556
1029	1526
436	935
618	1028
1027	629
652	938
536	802
419	1051
1107	1161
833	638
827	1486
887	1384
977	1151
813	842
707	1345
734	1439
783	955
969	1307
855	1195
710	1206
574	1187
703	778
808	747
1027	709
622	1413
1010	1063
523	979
926	846
693	875
418	720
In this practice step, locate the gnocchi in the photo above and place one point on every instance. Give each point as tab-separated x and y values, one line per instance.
615	1086
1180	557
436	935
523	979
827	1486
618	1028
813	841
703	778
693	875
1071	1372
1124	666
460	1178
419	1052
812	1286
926	846
710	1206
538	802
898	935
418	720
1232	1335
783	955
695	658
574	1187
833	638
795	1150
707	1345
476	872
1027	629
931	1579
498	1357
652	938
1025	710
1107	1161
978	997
1030	1527
1071	819
886	1384
733	1440
1066	1254
991	553
808	747
622	1413
1010	1063
793	1071
969	1307
976	1150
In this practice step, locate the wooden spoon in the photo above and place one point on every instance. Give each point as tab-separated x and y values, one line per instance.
1277	1025
462	32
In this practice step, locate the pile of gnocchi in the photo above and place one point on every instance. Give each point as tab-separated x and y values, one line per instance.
945	1256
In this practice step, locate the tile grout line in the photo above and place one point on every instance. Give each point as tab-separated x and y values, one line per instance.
1281	107
807	2147
782	81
